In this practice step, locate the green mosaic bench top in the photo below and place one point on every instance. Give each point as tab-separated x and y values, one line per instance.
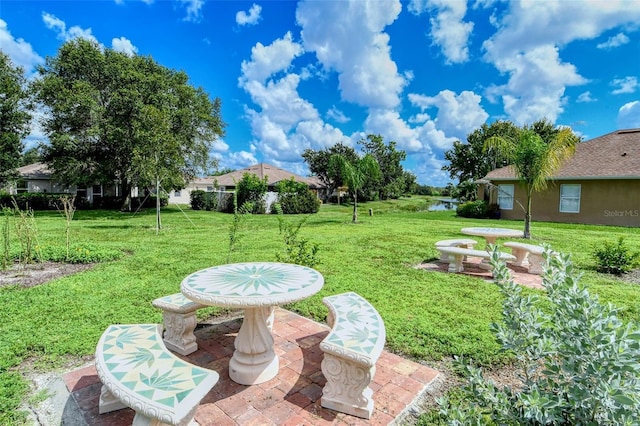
357	330
136	367
176	303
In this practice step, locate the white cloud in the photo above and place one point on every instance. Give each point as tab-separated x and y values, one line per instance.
448	30
251	18
268	60
537	81
236	160
281	102
220	146
526	48
19	51
348	37
615	41
284	124
60	27
585	97
337	115
625	85
629	115
124	45
194	9
429	169
458	115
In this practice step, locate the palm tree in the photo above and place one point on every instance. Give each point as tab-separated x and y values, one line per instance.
355	174
535	160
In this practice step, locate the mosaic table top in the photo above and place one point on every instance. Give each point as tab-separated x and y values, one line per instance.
252	284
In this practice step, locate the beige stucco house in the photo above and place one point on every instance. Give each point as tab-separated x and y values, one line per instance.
37	177
600	184
227	182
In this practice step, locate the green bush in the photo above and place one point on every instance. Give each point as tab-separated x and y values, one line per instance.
251	191
197	199
577	362
473	209
51	201
612	258
295	198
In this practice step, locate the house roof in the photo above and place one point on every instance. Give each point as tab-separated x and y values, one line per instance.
34	171
262	170
615	155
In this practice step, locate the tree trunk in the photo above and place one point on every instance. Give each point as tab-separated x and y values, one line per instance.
355	207
527	216
158	221
126	204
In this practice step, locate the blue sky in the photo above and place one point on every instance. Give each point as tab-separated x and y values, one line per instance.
308	74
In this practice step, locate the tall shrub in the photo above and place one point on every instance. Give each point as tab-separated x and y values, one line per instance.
577	362
296	197
251	191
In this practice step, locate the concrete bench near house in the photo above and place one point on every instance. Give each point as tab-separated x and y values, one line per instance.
139	372
527	252
179	319
458	242
457	254
351	350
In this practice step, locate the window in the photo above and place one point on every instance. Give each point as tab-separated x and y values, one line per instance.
570	198
505	197
22	186
177	193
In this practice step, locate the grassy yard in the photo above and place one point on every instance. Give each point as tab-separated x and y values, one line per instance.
429	316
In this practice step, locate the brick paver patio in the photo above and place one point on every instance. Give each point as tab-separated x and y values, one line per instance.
291	398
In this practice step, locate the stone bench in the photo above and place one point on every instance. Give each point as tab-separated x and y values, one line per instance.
351	350
139	372
459	242
527	252
179	320
457	255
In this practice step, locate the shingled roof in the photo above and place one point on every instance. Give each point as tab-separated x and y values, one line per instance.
615	155
34	171
262	170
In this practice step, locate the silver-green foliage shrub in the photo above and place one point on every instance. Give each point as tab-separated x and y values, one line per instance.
577	362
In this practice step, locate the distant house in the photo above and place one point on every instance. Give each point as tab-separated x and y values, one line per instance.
37	177
228	182
600	184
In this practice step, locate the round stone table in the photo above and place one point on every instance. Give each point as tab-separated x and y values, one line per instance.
257	287
491	234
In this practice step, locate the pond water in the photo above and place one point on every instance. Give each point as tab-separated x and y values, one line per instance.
443	204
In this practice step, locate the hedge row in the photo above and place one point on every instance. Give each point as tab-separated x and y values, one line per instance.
51	201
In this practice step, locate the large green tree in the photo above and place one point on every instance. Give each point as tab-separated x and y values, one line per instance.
394	181
469	161
534	159
127	119
319	164
15	117
356	175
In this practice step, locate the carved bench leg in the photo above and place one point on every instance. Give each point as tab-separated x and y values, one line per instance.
455	263
521	256
178	334
347	388
535	264
108	402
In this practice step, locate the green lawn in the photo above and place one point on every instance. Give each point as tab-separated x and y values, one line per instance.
428	315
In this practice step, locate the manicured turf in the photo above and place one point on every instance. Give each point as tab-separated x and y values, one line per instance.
428	315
